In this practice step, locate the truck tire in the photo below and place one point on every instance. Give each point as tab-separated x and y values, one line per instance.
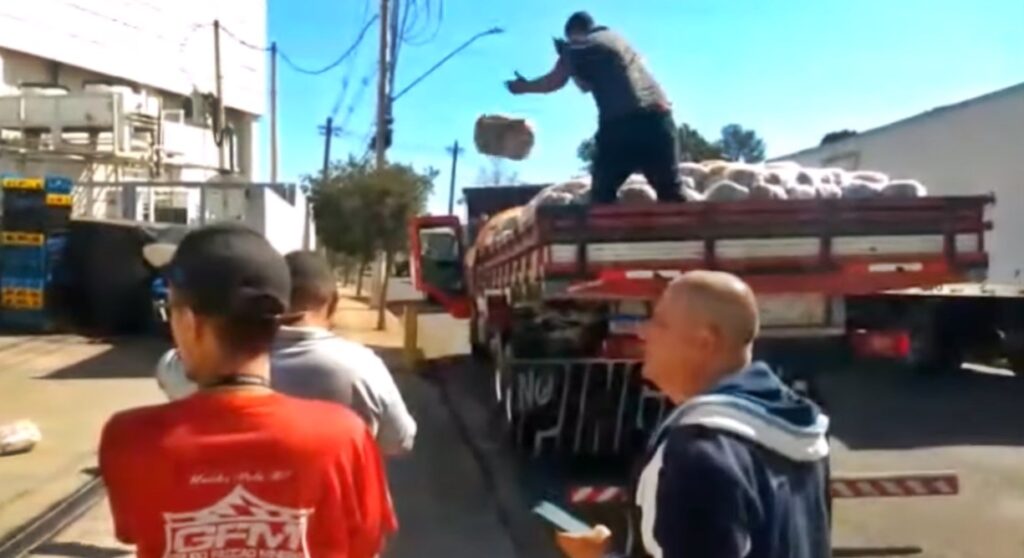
1014	350
478	348
933	349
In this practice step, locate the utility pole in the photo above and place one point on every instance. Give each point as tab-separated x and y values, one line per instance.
455	151
273	111
383	104
383	113
328	133
219	128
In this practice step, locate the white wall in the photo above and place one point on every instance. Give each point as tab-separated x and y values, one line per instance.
283	223
161	43
191	154
975	147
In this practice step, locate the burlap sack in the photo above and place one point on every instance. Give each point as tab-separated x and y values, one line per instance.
725	190
862	190
904	189
763	191
503	136
873	177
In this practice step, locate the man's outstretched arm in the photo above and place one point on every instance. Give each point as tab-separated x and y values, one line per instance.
548	83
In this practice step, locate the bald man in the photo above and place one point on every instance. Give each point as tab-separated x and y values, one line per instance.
740	468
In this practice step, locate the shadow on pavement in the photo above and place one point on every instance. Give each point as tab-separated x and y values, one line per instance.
79	550
119	361
886	408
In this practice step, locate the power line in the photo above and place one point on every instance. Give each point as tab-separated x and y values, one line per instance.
338	61
292	64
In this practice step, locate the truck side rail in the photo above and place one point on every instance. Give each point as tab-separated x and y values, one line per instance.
787	237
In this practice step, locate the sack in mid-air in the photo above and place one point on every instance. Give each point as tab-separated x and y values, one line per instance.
503	136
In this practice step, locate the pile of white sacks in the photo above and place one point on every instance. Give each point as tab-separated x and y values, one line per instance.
719	181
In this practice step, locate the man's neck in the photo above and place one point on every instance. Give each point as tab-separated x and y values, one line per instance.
252	367
311	320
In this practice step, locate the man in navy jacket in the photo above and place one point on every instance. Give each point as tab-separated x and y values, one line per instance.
740	468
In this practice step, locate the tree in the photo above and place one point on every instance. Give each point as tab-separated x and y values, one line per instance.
838	135
694	147
494	173
739	144
586	151
361	211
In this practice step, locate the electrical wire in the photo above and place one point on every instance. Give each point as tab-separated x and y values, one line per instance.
337	62
292	64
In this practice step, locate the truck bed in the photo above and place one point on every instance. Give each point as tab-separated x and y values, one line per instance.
840	246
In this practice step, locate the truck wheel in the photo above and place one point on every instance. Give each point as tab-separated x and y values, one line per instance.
932	350
477	346
1014	350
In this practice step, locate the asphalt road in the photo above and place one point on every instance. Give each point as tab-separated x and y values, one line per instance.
972	423
884	420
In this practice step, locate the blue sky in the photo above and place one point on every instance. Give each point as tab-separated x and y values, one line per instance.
790	69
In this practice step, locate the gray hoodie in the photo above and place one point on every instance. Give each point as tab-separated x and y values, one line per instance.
314	363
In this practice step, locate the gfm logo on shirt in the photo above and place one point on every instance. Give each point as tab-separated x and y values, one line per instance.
239	526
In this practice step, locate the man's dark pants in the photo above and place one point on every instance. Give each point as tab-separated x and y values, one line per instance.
644	142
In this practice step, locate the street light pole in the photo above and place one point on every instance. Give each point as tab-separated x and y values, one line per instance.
460	48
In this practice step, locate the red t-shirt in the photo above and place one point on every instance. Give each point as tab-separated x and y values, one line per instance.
245	475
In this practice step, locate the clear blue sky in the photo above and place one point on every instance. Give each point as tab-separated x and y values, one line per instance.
790	69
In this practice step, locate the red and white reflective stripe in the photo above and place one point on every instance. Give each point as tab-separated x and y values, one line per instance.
895	485
596	494
885	485
620	274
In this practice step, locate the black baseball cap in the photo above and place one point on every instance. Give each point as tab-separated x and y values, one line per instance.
229	270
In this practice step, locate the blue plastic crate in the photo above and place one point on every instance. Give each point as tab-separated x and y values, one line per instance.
58	185
35	321
25	261
32	283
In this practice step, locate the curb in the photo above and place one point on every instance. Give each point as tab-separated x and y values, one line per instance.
530	538
40	529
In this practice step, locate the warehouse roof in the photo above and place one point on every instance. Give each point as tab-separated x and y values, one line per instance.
932	113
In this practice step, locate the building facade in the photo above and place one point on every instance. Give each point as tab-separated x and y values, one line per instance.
969	148
116	92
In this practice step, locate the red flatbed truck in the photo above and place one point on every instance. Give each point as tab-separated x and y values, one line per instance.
868	278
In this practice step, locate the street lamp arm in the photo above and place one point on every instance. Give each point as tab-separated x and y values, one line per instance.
460	48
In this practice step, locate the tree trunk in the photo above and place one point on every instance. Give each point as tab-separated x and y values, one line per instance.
360	271
382	302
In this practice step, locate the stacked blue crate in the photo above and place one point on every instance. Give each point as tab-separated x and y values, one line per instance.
36	216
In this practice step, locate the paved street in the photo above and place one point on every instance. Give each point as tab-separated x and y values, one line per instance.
442	500
462	492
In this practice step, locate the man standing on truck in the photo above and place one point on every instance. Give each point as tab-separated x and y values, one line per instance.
740	468
635	131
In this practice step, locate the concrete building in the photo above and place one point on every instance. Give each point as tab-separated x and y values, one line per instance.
972	147
123	91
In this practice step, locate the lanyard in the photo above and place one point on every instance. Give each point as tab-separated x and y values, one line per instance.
238	380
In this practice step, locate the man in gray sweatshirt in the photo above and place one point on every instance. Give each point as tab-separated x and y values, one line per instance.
310	361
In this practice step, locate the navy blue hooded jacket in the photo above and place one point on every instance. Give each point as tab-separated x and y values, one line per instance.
739	472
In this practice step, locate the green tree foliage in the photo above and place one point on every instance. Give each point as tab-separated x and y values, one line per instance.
736	144
586	150
838	135
739	144
694	147
361	211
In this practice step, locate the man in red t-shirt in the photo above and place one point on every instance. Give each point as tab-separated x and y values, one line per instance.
237	470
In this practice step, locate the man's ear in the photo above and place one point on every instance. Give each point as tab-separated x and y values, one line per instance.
332	306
